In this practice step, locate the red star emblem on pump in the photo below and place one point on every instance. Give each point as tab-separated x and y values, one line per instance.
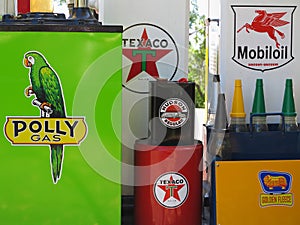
171	190
144	58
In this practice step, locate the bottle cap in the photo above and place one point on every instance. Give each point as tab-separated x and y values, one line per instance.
237	109
221	115
259	99
288	107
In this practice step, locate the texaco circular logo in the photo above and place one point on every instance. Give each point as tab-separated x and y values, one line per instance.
173	113
171	189
149	53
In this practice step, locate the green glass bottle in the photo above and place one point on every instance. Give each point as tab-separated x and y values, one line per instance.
259	123
288	108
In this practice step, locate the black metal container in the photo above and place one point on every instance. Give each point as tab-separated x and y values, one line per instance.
172	112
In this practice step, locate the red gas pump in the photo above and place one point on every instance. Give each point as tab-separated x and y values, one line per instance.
168	176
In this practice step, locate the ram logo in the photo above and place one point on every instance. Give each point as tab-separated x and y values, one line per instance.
275	182
278	181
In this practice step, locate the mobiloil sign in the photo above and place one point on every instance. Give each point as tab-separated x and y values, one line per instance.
60	144
264	42
273	26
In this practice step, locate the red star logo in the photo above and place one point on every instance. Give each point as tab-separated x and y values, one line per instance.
144	58
171	190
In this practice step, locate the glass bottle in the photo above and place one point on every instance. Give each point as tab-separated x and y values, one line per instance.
259	122
238	115
212	104
288	108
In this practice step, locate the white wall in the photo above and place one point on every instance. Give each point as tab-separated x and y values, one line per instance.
7	7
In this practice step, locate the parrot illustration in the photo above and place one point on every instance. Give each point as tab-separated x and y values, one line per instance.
45	85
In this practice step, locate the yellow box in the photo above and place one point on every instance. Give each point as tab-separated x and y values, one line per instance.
41	6
258	192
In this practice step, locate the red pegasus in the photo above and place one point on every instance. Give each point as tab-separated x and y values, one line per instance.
265	22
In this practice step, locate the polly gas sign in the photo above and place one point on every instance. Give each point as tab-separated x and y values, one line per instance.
263	36
45	131
53	127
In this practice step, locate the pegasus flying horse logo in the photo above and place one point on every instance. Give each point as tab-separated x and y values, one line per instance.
270	43
265	22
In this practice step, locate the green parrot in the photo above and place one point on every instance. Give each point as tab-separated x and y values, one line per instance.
45	85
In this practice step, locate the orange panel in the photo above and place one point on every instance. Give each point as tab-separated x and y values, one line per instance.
258	192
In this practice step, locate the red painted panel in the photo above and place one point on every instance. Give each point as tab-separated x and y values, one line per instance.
23	6
168	184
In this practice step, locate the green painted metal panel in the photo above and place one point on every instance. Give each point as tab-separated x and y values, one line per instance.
88	65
